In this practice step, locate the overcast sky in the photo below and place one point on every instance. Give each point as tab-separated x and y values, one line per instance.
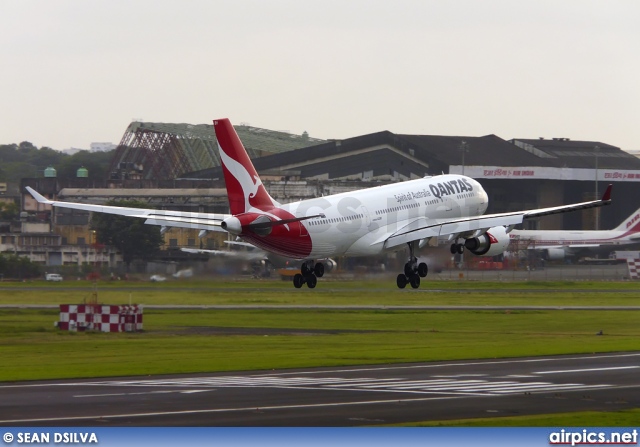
75	72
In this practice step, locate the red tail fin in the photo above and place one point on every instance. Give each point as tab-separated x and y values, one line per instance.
244	187
632	223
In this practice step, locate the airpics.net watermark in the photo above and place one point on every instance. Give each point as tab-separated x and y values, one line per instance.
44	438
592	437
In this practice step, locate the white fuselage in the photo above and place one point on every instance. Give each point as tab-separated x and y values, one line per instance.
572	239
358	223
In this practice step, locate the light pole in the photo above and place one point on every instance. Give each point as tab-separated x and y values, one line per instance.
93	244
464	147
596	150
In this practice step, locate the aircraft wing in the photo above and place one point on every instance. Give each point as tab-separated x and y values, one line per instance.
202	221
422	228
257	255
209	251
241	244
571	246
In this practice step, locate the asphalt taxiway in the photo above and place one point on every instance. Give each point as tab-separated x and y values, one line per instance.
349	396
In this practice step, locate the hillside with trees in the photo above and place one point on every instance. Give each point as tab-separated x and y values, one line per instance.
24	160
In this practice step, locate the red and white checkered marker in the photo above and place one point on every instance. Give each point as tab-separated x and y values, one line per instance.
634	268
95	317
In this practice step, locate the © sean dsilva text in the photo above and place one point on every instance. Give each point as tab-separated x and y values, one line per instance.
57	438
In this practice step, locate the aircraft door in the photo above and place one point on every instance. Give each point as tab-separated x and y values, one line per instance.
366	218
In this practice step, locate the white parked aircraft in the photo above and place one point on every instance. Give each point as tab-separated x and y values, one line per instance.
558	244
359	223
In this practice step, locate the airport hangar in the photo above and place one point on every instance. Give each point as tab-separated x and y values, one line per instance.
517	174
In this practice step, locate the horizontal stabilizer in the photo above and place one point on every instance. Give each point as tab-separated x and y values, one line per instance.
275	223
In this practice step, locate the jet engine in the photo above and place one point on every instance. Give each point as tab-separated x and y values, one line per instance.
236	225
329	265
232	224
552	254
493	242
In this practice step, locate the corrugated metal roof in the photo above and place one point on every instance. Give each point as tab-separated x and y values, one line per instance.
579	154
169	150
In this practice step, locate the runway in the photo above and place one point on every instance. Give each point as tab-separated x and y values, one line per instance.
350	396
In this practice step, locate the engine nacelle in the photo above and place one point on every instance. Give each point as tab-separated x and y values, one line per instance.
329	265
232	225
491	243
553	254
255	223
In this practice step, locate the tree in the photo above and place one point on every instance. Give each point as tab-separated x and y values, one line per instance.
9	211
25	160
130	235
20	267
97	163
46	157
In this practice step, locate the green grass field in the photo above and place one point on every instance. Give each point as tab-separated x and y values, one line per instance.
627	418
338	293
187	341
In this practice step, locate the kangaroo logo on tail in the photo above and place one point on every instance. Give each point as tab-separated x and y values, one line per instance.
244	186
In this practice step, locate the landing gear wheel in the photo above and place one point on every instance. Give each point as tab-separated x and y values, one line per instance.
298	280
412	270
457	249
311	281
423	269
304	269
401	281
415	281
319	269
408	269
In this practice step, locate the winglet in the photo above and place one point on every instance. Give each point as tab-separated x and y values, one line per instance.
39	197
606	197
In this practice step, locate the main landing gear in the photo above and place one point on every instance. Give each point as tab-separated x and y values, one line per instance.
412	270
309	274
457	249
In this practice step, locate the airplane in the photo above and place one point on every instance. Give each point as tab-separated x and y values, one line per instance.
365	222
558	244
